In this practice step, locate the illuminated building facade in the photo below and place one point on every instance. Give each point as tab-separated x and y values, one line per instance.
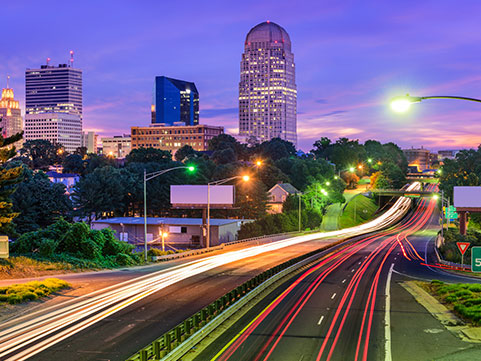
11	121
174	137
53	104
267	88
117	146
174	102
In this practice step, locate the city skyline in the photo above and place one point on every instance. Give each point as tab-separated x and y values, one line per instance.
350	60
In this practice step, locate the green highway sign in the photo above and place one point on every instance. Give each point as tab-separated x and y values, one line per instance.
476	259
450	212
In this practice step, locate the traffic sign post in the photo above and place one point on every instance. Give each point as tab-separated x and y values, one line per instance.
450	213
463	247
476	259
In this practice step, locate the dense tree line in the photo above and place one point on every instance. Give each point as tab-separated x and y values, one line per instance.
108	187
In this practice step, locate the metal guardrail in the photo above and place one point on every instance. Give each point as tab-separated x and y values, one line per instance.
194	252
165	344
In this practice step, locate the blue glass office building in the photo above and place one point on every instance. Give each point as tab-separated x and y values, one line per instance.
175	101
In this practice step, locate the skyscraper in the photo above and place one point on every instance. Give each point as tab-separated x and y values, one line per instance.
174	101
267	88
53	100
10	114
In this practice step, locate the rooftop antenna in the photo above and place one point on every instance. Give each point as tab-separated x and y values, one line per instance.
8	81
71	58
48	61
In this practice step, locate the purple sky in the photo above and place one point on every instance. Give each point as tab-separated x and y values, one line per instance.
351	57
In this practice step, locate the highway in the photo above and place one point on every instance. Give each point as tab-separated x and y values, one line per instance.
114	322
339	308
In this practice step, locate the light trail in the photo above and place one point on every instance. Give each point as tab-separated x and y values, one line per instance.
418	220
20	340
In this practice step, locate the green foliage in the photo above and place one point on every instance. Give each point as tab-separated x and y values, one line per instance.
359	209
379	181
74	163
40	154
465	170
450	251
281	223
185	153
10	176
147	155
76	244
30	291
275	149
463	298
39	202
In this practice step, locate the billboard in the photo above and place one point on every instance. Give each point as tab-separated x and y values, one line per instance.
467	197
196	195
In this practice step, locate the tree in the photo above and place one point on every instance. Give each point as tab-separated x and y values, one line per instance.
95	161
276	149
465	170
102	193
184	153
393	174
39	202
147	155
251	198
225	141
41	154
224	156
9	178
379	181
74	163
321	148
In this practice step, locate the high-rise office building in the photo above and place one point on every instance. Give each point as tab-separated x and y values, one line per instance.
267	88
10	114
89	141
174	102
53	104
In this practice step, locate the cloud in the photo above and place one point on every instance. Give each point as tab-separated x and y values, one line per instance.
335	112
321	101
213	113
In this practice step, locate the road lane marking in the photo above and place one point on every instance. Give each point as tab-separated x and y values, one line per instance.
387	317
353	270
332	297
359	262
344	280
320	320
395	258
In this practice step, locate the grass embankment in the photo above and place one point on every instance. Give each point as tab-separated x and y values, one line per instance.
461	298
30	291
22	267
360	209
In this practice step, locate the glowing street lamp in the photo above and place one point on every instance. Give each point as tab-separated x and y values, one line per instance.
245	178
164	236
328	183
402	104
352	169
147	177
258	163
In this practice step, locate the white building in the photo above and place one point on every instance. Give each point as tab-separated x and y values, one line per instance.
117	146
62	128
89	141
53	104
267	88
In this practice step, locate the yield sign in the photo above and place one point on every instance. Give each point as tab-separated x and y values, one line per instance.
463	246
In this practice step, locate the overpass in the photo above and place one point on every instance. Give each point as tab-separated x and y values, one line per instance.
406	193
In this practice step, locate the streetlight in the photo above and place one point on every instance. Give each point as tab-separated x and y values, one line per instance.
402	104
443	199
147	177
245	178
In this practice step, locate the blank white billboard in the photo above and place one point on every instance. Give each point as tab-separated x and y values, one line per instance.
467	197
197	195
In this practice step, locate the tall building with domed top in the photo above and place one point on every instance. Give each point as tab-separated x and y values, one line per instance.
11	121
267	88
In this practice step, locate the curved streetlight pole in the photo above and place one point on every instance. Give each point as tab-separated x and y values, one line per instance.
147	177
216	183
402	103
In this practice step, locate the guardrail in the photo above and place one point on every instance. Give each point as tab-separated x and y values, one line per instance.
194	252
166	343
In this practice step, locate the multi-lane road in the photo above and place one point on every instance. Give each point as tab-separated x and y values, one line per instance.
113	323
340	308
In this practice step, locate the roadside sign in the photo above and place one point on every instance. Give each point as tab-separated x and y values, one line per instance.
463	247
4	247
450	213
476	259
